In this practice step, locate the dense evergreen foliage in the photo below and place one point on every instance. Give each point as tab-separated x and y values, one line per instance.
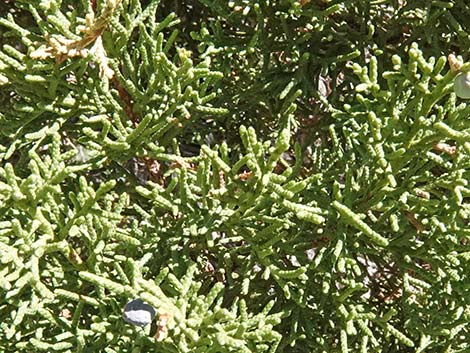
271	176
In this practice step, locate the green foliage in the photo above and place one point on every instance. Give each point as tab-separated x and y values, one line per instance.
274	176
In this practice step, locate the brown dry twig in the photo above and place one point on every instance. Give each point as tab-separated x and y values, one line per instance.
446	148
162	329
62	48
417	224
